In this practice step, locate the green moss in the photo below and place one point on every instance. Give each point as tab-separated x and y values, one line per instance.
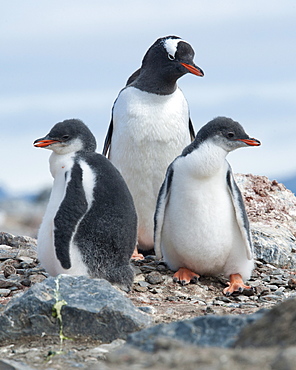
57	310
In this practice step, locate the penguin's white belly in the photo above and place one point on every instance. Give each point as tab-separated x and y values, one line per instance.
45	242
200	230
149	133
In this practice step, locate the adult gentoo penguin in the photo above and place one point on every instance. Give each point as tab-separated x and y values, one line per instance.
201	226
150	126
90	224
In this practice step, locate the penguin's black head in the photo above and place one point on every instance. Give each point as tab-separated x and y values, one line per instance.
69	136
168	59
223	132
226	133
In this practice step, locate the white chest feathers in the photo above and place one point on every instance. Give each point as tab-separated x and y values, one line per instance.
60	167
150	131
200	228
141	116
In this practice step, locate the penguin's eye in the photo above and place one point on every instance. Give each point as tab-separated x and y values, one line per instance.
230	135
65	137
171	57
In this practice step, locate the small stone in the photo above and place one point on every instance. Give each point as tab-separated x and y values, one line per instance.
137	270
277	282
8	270
5	254
172	298
147	309
154	278
138	278
223	299
143	284
255	283
279	293
266	278
4	292
26	282
140	289
37	278
273	288
218	303
292	283
161	268
6	283
146	268
269	298
277	272
262	290
270	266
150	257
241	298
249	304
155	290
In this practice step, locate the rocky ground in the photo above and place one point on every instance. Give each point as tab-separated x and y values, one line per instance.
153	291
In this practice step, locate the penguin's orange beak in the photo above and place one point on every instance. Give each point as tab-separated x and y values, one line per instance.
40	143
251	141
193	69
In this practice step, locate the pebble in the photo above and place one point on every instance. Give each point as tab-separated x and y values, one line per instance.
154	278
143	283
272	287
4	292
148	309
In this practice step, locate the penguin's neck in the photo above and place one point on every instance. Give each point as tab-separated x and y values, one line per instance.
155	83
209	160
60	163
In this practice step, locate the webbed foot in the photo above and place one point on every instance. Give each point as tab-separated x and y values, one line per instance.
185	276
236	284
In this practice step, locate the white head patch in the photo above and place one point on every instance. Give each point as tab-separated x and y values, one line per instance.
171	46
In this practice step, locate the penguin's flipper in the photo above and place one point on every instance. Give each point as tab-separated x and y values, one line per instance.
185	276
133	77
236	285
108	138
191	130
69	215
163	197
240	211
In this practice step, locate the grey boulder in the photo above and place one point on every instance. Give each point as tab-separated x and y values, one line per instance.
205	331
71	307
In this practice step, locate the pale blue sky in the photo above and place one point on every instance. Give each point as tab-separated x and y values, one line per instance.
64	59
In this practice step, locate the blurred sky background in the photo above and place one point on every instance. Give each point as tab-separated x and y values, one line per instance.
69	59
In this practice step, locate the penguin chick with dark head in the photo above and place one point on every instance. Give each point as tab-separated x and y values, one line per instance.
150	126
201	226
90	224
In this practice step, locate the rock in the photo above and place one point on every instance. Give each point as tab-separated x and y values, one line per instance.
205	331
175	355
271	209
154	278
277	327
285	360
13	365
4	292
75	307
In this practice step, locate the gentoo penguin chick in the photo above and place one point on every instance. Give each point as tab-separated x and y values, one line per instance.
201	226
150	126
90	224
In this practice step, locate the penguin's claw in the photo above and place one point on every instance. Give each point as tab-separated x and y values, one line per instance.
136	256
236	285
185	276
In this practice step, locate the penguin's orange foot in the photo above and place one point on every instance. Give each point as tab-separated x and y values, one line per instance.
136	255
236	285
185	276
